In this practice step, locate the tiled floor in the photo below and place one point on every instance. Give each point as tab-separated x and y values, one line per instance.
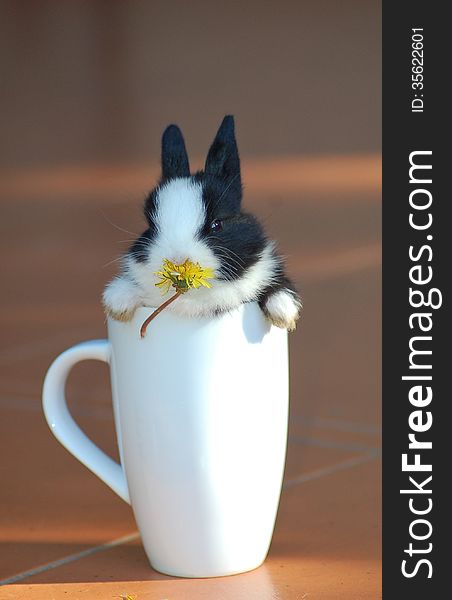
63	533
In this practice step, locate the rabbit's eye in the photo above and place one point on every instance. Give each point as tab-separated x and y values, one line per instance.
216	225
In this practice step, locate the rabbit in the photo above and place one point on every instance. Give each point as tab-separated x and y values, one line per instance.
199	217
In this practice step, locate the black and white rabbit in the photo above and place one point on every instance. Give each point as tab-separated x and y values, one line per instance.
199	217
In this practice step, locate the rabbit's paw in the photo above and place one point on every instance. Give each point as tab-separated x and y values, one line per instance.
121	298
282	308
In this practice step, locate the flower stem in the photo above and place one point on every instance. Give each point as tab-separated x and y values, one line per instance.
158	311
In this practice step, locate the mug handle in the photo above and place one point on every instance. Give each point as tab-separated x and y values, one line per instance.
63	426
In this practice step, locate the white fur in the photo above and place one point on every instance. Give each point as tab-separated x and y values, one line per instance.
179	216
122	297
283	308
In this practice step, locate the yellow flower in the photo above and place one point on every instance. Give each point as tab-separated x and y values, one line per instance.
183	277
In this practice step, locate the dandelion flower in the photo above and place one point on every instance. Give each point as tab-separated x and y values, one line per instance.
182	278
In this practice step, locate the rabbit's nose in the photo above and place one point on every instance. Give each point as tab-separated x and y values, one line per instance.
178	258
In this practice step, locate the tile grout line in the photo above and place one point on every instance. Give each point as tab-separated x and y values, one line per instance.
343	425
70	558
321	442
346	464
341	466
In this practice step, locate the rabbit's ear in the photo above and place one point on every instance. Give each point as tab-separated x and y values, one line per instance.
174	154
223	157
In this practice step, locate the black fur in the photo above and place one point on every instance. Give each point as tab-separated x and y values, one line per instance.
139	249
238	245
223	160
174	155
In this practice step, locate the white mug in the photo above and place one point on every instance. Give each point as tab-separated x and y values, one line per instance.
201	411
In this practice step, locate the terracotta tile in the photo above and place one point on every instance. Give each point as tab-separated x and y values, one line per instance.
52	506
344	435
40	531
304	458
325	546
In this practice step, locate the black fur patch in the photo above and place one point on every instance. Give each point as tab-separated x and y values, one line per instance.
149	206
222	198
174	155
241	239
140	248
223	161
